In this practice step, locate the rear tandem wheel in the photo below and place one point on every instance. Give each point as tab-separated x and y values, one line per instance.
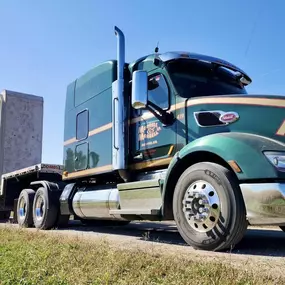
46	212
25	208
40	209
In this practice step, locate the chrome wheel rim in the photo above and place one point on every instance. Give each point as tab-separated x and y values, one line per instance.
22	208
40	208
201	206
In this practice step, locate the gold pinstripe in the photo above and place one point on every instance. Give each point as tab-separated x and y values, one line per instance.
101	169
221	100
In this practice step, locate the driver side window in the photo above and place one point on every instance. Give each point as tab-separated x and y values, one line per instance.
158	92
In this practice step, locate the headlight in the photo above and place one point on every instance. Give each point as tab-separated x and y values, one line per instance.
277	159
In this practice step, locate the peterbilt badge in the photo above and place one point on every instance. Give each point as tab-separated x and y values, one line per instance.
229	117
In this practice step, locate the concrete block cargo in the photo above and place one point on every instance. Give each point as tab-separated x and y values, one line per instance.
170	136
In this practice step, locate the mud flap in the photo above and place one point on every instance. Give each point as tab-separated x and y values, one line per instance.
14	219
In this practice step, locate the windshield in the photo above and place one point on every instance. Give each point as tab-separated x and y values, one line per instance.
195	78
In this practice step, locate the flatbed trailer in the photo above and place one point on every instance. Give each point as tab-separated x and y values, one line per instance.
14	182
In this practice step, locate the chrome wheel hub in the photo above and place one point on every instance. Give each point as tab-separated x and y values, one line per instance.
40	208
22	208
201	206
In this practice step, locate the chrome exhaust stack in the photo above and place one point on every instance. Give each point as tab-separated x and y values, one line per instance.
120	53
119	137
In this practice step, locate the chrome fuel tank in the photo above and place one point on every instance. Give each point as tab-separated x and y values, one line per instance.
96	203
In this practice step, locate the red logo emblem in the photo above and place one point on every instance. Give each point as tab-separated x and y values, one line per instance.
229	117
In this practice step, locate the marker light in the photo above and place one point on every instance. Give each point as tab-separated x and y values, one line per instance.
277	159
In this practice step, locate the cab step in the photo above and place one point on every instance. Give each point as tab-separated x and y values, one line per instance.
139	198
137	212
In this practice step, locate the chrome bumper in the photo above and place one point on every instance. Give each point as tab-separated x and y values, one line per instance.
265	203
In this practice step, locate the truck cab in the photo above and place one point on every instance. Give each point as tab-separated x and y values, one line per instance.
174	78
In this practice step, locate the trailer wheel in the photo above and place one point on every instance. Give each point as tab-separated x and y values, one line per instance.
25	208
208	207
45	209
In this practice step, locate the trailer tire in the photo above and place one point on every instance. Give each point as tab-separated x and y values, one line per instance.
208	207
45	209
25	208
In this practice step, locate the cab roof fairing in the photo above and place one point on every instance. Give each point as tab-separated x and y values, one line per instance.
168	56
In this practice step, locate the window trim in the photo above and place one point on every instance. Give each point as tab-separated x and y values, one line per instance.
87	156
77	115
145	110
167	84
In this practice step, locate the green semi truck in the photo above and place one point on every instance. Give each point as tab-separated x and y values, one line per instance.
170	136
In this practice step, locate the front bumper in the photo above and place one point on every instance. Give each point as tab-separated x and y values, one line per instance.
265	203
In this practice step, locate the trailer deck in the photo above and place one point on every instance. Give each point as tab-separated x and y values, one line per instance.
40	168
15	181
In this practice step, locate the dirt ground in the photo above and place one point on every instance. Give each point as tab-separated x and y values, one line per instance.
261	250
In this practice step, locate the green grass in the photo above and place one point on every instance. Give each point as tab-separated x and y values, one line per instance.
36	258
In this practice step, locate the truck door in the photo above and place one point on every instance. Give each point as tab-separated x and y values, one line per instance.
152	143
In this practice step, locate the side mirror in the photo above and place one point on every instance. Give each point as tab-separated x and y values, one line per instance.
139	89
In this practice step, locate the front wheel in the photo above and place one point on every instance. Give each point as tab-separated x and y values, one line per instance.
208	207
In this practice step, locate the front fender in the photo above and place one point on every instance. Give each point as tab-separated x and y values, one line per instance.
245	149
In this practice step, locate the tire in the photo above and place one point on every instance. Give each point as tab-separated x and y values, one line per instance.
25	208
213	190
45	209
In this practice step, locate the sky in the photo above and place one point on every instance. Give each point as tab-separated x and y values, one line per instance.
47	44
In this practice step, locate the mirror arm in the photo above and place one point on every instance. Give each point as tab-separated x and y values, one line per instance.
165	117
154	106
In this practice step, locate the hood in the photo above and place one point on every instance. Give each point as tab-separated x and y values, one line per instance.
256	114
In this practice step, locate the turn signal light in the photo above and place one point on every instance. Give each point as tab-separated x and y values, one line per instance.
234	166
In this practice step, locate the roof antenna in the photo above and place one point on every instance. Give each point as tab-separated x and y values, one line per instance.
157	48
156	59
